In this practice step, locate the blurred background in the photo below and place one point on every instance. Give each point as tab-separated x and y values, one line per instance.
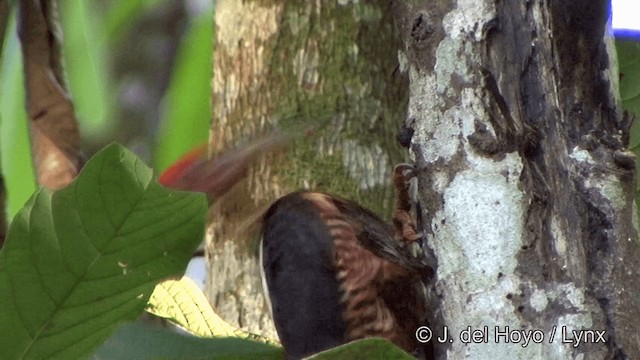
139	72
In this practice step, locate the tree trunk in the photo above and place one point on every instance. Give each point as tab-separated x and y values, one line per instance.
288	65
525	176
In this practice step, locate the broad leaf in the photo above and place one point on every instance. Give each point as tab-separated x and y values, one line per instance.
139	342
183	303
78	262
369	349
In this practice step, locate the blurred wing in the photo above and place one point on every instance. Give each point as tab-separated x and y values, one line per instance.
171	177
216	176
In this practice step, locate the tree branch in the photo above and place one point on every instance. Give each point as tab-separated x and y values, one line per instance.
55	138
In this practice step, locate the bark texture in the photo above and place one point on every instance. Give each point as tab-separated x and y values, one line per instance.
55	139
525	176
289	65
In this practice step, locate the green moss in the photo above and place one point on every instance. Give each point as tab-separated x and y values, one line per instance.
334	67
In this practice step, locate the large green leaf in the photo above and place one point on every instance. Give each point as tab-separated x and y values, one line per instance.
367	349
142	342
78	262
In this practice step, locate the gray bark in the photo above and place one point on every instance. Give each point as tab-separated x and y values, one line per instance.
525	175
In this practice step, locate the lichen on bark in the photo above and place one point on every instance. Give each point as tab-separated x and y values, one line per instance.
517	132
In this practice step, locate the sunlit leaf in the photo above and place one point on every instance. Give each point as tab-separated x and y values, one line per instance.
183	303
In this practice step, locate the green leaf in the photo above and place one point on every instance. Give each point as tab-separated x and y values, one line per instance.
183	303
14	139
367	349
134	341
629	67
187	111
78	262
85	52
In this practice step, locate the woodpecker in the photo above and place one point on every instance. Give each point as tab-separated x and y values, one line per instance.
335	272
332	270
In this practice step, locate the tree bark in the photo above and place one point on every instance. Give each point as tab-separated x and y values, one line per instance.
287	65
525	175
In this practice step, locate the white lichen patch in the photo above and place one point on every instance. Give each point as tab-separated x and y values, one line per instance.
368	165
403	61
557	349
605	183
538	300
572	299
477	236
634	217
440	181
582	155
559	238
231	91
305	65
449	63
421	98
353	51
610	188
483	223
572	294
437	135
470	18
493	310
